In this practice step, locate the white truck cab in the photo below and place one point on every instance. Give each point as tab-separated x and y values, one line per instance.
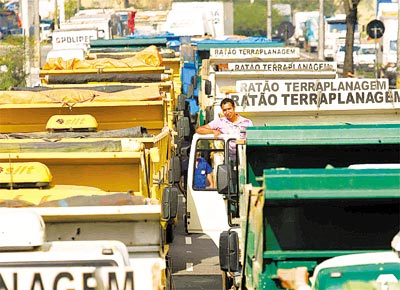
28	261
376	270
205	207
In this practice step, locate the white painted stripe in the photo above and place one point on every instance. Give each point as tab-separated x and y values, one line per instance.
189	267
188	240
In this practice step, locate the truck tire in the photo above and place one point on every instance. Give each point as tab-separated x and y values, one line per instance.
169	234
185	224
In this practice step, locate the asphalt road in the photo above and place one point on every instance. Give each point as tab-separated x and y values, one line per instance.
193	259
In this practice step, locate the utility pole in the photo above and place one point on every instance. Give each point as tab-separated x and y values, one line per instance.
35	68
36	21
26	23
321	31
269	19
61	10
55	15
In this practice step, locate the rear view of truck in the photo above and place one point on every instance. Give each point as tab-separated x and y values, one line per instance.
92	171
309	193
27	261
85	191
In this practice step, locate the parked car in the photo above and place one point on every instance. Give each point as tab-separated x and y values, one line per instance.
45	32
365	57
341	53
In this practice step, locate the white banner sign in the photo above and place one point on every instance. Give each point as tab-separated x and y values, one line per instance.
314	100
61	278
285	86
283	66
255	52
63	39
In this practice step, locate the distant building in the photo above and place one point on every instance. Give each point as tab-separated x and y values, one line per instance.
46	7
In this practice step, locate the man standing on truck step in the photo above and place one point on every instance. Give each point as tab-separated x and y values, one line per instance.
231	123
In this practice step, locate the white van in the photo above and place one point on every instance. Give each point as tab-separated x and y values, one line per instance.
365	57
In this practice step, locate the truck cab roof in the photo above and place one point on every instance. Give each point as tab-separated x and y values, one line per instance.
23	244
69	253
356	270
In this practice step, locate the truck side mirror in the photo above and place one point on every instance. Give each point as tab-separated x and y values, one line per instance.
183	127
223	179
229	251
209	114
207	87
190	91
181	102
169	206
174	171
194	80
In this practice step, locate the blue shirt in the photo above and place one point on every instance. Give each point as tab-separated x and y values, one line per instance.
200	173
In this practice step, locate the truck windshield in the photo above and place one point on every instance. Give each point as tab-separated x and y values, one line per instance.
336	26
209	154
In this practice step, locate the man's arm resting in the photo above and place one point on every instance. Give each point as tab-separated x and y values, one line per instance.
206	129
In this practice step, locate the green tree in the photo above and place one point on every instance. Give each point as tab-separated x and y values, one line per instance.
310	5
71	7
246	25
251	18
12	63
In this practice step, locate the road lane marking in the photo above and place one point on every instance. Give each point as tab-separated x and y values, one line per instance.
188	240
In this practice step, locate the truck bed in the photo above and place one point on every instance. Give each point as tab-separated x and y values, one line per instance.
26	111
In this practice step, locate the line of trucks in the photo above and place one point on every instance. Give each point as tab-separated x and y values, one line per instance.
313	189
89	161
90	165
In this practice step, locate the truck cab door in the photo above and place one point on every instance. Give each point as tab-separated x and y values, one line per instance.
206	210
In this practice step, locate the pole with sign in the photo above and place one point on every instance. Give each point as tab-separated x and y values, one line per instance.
375	30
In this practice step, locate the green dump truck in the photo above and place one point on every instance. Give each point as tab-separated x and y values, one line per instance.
300	195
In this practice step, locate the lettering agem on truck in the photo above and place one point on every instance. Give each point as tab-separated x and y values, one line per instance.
308	95
274	52
57	278
282	66
27	261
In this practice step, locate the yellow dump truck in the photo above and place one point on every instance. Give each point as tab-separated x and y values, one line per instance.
147	65
87	185
170	60
96	162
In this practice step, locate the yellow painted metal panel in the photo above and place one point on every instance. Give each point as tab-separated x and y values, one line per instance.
33	118
109	171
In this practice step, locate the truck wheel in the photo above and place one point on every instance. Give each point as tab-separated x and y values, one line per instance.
169	232
182	186
185	224
227	282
